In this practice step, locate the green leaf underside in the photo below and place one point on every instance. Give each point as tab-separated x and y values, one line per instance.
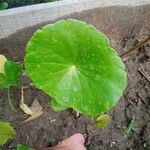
6	132
23	147
74	64
11	76
12	71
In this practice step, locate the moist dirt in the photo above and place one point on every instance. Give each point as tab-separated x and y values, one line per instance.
53	127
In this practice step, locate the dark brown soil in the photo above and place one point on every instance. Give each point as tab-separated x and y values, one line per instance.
53	126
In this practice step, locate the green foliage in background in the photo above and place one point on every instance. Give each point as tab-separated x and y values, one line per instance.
6	132
74	64
4	4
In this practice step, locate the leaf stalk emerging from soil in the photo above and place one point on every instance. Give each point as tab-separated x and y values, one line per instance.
9	100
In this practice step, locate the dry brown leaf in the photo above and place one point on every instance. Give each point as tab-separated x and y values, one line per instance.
2	63
23	106
34	116
35	107
35	110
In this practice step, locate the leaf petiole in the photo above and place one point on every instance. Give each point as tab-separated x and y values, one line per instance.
9	100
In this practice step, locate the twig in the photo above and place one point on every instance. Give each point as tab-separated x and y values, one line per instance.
135	47
130	102
142	72
141	98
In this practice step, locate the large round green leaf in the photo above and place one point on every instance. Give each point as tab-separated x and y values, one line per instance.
74	64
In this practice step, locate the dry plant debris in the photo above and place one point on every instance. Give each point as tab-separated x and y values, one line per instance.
144	73
135	47
2	62
35	110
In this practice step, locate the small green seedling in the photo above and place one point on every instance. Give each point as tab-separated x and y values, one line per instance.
102	121
9	75
73	63
128	129
6	132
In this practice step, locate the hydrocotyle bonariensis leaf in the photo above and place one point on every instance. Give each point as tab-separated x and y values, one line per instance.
74	64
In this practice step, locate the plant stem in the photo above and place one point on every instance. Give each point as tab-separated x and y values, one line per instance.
9	100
